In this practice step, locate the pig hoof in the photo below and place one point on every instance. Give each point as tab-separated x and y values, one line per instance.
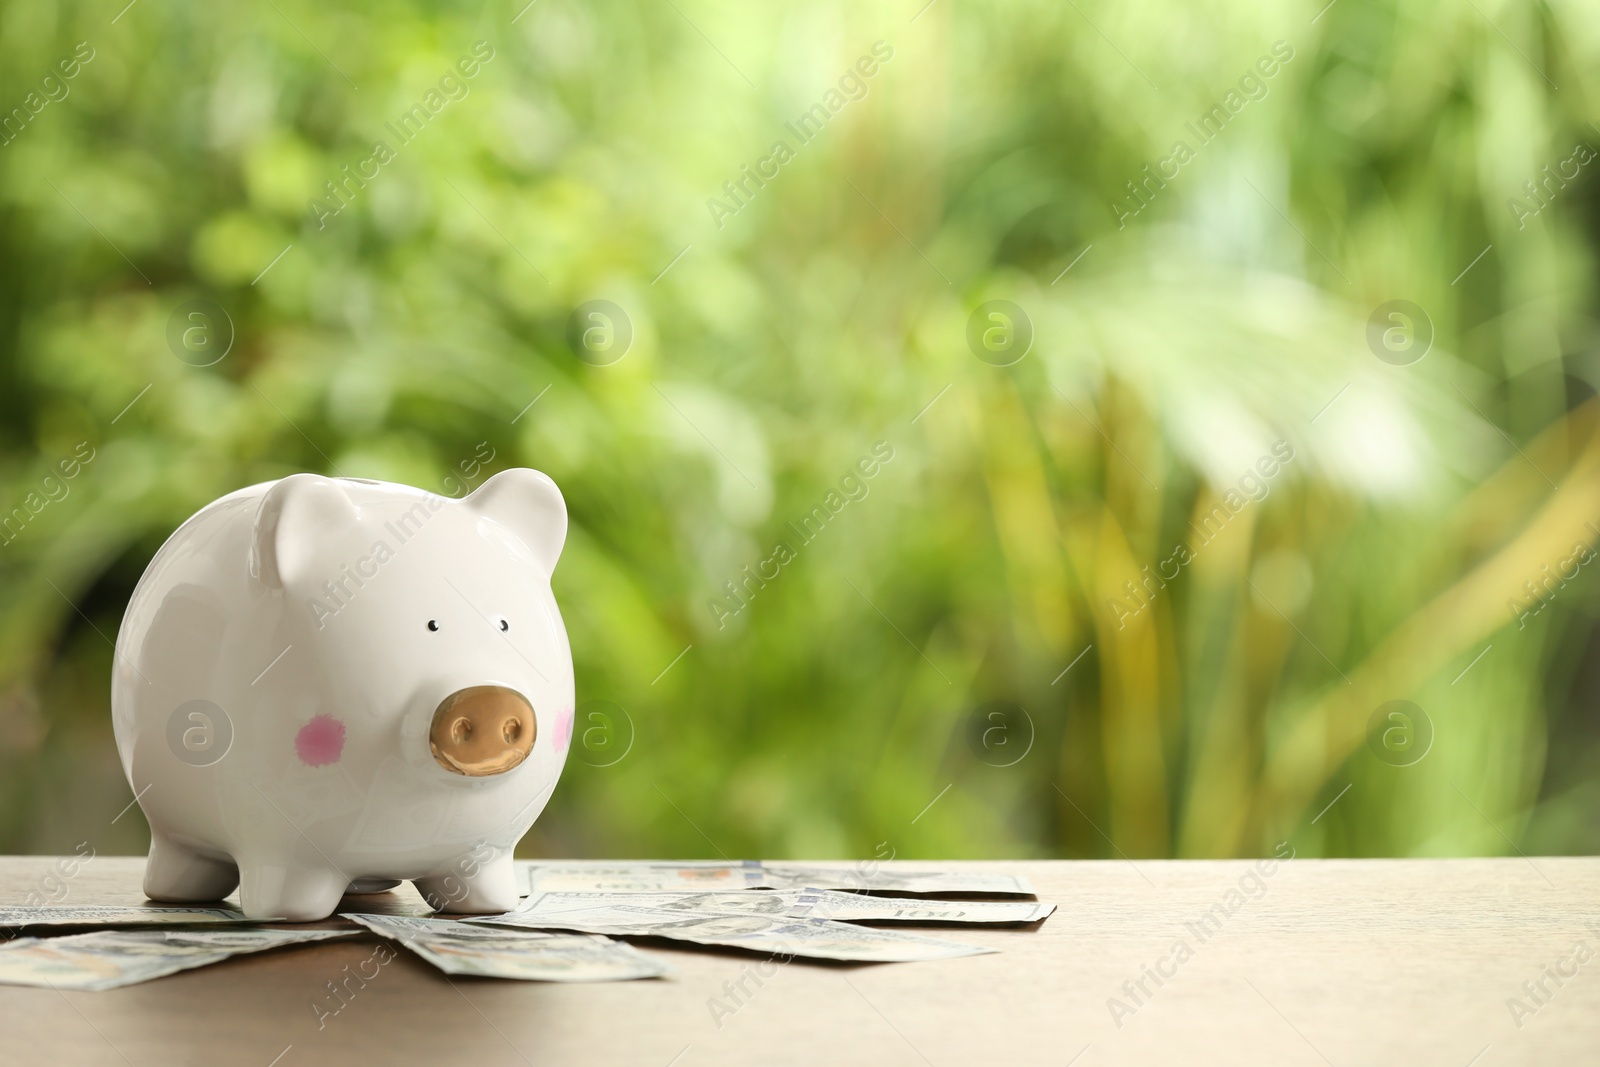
176	874
492	890
291	894
372	885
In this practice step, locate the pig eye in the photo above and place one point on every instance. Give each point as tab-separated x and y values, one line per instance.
504	626
433	624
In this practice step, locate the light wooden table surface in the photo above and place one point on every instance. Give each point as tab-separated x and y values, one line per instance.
1322	962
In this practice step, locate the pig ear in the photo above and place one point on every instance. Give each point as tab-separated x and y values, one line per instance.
527	503
293	522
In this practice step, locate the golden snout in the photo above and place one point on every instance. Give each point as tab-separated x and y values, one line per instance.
482	730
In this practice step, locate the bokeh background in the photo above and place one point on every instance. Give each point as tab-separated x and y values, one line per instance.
957	664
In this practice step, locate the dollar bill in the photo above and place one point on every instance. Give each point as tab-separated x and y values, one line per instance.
459	948
809	903
856	907
640	877
775	935
644	877
872	878
111	915
647	909
107	959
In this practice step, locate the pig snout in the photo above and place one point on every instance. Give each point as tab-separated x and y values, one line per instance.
482	730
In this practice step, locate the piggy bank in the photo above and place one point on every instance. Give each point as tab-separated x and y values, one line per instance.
327	685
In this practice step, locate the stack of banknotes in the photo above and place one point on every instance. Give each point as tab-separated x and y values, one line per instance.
564	929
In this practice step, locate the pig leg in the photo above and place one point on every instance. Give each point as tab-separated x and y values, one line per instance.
270	890
490	888
179	875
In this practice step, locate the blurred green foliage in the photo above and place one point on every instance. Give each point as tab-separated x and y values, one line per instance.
774	345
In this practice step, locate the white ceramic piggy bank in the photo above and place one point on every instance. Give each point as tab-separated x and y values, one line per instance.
324	685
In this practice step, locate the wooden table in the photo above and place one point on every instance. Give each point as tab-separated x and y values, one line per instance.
1318	962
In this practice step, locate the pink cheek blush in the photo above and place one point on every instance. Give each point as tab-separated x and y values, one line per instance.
320	741
563	728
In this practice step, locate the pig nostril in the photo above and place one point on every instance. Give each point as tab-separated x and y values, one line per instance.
511	730
460	730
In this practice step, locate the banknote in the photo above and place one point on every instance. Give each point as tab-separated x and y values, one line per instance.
107	959
112	915
458	948
809	903
857	907
776	935
646	877
874	878
769	902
